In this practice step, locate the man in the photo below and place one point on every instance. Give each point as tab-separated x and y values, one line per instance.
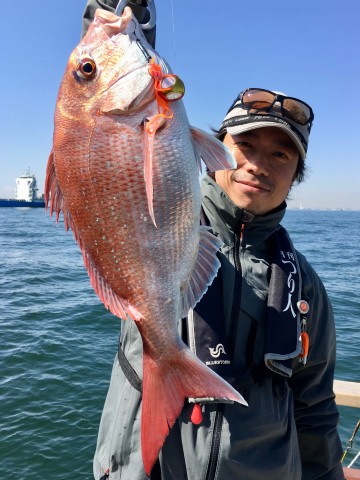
247	327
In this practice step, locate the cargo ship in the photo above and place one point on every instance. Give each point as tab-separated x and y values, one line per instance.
26	193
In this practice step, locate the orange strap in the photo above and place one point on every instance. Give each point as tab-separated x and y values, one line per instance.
305	346
156	72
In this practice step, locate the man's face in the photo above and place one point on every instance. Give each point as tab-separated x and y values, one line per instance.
266	164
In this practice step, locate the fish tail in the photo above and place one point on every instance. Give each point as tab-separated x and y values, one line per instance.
166	386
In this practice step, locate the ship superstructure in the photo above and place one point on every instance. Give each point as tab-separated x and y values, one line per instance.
26	188
26	193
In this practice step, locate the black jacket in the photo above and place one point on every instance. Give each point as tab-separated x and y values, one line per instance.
289	430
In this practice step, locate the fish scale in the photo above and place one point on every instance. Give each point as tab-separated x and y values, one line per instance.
107	173
132	201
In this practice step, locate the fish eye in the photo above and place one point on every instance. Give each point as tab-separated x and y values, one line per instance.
86	68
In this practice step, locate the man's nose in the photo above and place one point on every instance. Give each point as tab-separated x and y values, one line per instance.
258	164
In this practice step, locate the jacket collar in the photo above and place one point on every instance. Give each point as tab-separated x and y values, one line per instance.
226	218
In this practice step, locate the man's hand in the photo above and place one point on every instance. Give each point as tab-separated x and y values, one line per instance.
351	474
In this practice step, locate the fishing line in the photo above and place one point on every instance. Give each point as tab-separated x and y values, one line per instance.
351	441
354	460
173	32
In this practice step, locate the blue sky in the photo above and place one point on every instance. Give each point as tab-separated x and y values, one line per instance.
308	49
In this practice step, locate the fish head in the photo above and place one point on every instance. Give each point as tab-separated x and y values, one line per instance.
108	72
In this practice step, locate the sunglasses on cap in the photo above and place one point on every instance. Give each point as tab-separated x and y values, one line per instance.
257	100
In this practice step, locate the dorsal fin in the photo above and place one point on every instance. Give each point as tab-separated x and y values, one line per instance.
117	305
205	269
54	197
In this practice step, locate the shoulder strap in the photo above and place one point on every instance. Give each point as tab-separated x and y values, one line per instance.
283	328
128	370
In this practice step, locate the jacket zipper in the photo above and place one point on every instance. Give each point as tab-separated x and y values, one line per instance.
219	416
235	311
215	443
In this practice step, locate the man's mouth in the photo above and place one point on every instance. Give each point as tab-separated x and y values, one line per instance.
254	185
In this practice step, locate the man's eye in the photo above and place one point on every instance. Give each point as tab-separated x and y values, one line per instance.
282	156
244	144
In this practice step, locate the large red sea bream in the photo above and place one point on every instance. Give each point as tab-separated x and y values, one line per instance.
124	172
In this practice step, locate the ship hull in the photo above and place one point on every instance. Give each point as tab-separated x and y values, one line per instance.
21	203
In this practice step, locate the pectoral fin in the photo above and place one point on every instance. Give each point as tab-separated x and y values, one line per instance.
211	151
205	269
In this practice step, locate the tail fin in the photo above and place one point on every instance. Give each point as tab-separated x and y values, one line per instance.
165	389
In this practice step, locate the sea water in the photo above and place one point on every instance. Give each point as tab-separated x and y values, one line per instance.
58	342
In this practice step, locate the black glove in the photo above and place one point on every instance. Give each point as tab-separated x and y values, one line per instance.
139	8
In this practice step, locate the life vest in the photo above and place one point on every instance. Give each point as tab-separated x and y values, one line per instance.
283	323
207	338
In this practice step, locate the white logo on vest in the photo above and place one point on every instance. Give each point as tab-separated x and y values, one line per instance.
290	280
217	351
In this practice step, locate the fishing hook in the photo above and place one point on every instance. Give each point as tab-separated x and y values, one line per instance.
151	8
